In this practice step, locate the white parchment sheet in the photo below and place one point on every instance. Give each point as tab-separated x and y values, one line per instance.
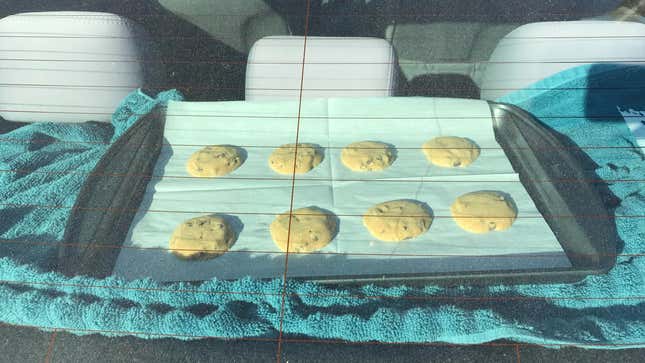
253	194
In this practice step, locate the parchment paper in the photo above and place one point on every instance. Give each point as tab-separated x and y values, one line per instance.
253	195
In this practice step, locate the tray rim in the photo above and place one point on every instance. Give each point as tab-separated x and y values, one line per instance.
574	273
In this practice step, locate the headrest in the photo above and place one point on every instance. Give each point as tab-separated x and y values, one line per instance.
68	66
536	51
334	67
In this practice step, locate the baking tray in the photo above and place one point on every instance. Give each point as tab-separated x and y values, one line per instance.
553	171
8	126
109	199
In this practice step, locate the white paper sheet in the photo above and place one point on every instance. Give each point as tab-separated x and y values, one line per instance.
255	194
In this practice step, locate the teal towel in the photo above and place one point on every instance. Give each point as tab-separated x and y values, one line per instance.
605	311
46	164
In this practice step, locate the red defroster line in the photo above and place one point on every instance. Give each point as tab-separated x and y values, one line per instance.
293	183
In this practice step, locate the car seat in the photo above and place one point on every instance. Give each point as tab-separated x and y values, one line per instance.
71	66
450	43
446	49
536	51
334	67
238	24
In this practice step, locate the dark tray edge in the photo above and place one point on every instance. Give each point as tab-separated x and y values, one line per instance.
600	253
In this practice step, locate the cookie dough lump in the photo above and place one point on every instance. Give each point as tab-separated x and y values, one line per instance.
367	156
214	161
451	151
397	220
484	211
307	158
311	229
202	238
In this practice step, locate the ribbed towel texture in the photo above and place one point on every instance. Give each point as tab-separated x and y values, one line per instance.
604	311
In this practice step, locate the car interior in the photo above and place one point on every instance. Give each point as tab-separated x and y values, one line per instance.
461	43
75	66
332	68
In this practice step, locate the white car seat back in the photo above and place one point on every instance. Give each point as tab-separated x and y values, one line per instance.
536	51
333	67
439	48
69	66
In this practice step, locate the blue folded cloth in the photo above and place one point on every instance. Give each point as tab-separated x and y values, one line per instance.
43	167
604	311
